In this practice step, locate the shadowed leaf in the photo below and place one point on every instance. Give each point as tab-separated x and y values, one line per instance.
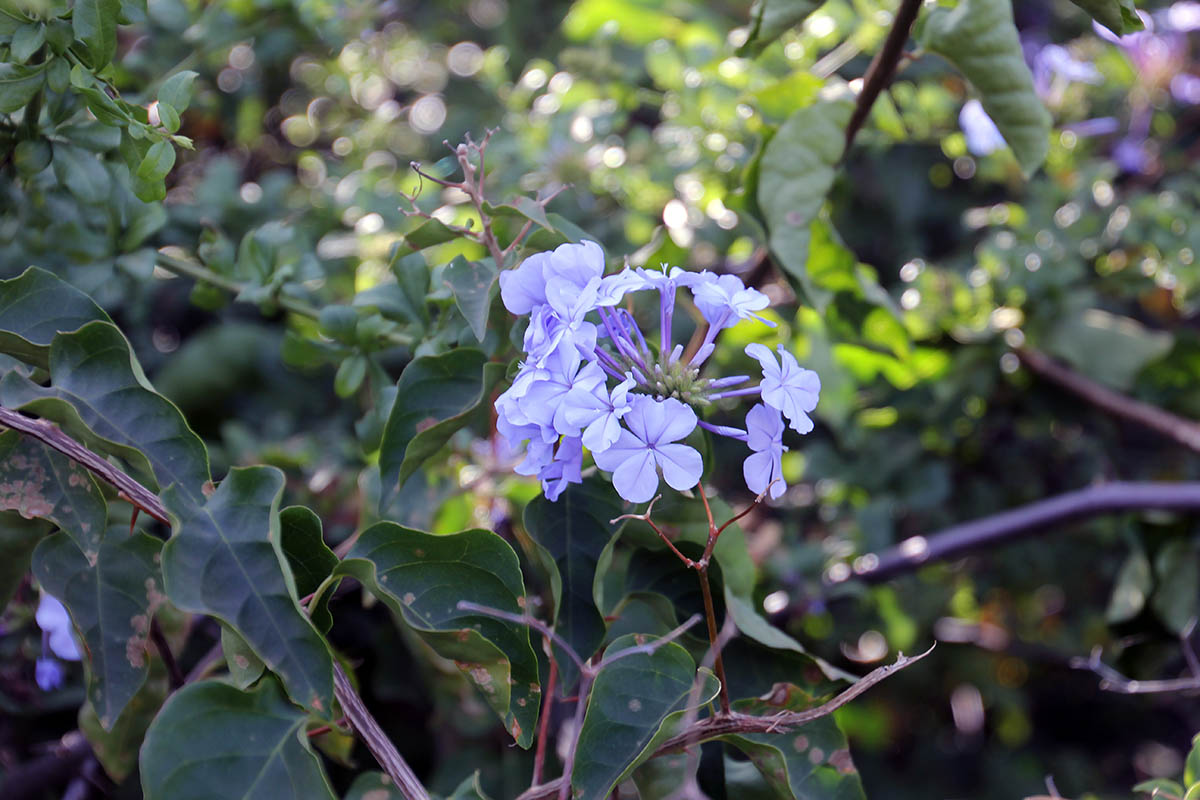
34	307
474	286
117	749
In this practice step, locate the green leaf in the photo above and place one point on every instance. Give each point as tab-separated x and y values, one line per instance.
18	85
1119	16
427	234
81	173
225	560
794	175
212	740
158	162
422	578
1161	785
117	748
631	709
100	396
770	19
176	91
1177	598
1133	585
979	37
339	323
469	789
523	207
373	786
37	481
18	538
245	667
562	230
474	286
1109	348
112	599
34	307
435	397
31	156
812	761
310	559
95	23
570	535
1191	765
660	778
27	40
350	375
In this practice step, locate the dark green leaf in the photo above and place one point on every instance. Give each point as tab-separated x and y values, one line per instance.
770	19
423	577
469	789
310	559
1133	585
1119	16
1107	347
94	136
18	85
350	375
373	786
18	538
474	286
225	560
31	156
1162	785
810	762
570	535
112	599
158	162
81	173
245	667
38	481
117	749
212	740
427	234
794	175
632	707
435	397
412	279
979	37
176	91
1191	765
95	24
27	40
1177	598
338	323
34	307
99	394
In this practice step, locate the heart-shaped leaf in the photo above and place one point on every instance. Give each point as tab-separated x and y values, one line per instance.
34	307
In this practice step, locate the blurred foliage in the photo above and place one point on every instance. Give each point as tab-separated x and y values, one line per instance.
230	182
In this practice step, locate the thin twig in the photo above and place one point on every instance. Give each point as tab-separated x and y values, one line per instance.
649	648
882	67
539	758
525	619
1113	681
1006	526
50	434
1182	431
174	675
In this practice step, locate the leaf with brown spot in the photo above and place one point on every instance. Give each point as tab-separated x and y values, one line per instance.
111	601
37	481
117	749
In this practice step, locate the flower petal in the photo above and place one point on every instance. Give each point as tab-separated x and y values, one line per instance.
678	421
681	465
636	479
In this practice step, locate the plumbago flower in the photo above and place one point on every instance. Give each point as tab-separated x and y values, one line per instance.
592	380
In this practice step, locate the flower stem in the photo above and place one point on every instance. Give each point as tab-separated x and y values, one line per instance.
711	616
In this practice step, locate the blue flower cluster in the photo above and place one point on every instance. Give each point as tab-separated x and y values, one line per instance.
591	379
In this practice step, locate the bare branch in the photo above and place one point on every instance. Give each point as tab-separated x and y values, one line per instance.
958	540
649	647
376	740
1113	681
883	66
1182	431
525	619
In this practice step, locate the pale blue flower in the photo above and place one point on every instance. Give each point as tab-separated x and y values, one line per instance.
592	408
52	618
48	673
564	469
787	386
647	446
524	288
764	467
983	137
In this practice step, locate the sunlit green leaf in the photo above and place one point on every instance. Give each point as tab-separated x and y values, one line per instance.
770	19
112	599
1119	16
212	740
632	706
423	577
427	234
225	560
979	37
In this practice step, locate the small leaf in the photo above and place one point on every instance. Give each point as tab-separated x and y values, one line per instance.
338	323
27	40
794	175
37	481
81	173
95	24
770	19
350	375
1119	16
1191	765
99	394
631	708
225	560
469	789
176	91
1177	598
245	667
570	535
808	762
112	599
1161	785
18	85
212	740
34	307
1133	585
31	156
979	37
412	278
158	162
117	749
310	559
435	397
474	286
422	578
427	234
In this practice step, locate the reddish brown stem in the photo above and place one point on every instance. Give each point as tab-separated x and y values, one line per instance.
539	759
710	615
